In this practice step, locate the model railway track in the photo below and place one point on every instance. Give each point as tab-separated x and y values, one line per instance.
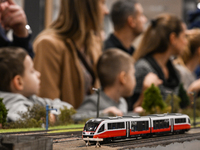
156	140
73	136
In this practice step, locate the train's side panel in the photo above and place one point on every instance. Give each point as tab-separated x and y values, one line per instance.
181	127
139	132
164	127
111	133
143	130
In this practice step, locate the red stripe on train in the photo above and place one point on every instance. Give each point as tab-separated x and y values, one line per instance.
181	126
139	132
161	130
113	133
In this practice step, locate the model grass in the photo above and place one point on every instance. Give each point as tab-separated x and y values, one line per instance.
67	128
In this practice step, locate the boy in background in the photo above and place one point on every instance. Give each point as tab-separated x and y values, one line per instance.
19	82
116	71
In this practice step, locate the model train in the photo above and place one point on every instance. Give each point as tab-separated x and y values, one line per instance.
111	128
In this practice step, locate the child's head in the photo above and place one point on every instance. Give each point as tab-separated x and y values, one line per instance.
17	73
115	67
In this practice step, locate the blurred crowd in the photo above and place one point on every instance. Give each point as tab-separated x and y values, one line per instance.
71	56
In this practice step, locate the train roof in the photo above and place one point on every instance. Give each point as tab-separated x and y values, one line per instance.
134	117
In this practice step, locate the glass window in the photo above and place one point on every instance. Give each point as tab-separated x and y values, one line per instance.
118	125
91	126
180	120
101	129
139	125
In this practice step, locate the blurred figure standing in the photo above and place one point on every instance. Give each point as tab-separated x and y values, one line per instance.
165	37
187	62
128	21
67	52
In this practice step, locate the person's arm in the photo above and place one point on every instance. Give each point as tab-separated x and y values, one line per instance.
194	86
88	109
13	17
24	43
149	79
15	106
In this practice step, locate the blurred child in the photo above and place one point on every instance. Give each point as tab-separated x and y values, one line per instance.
20	82
116	71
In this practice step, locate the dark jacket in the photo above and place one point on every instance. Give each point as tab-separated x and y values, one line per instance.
18	42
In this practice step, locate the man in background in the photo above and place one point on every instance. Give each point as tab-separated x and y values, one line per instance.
128	21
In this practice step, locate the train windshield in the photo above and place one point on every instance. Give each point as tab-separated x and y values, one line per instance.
91	125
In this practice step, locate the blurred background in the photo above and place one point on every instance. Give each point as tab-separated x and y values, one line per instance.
41	13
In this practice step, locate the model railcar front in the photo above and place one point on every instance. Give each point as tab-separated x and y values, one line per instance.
91	127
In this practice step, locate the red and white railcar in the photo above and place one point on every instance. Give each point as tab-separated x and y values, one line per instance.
109	128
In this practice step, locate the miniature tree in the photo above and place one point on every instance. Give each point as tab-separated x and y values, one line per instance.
3	112
153	100
183	96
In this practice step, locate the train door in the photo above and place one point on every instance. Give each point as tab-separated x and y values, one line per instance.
127	129
172	125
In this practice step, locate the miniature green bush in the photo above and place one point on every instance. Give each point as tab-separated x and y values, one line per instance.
3	112
153	100
65	116
183	96
34	117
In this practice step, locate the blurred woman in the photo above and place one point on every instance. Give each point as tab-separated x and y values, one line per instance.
165	37
66	53
189	60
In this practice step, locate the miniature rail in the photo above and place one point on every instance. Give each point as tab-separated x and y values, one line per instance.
156	140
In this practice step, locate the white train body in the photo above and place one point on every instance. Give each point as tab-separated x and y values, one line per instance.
101	129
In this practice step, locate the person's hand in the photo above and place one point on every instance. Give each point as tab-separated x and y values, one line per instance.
194	86
150	79
138	109
113	110
52	118
13	17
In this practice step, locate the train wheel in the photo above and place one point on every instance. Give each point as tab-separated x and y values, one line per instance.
98	144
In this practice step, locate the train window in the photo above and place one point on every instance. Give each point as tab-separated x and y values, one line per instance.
133	126
139	125
180	120
101	129
166	123
160	124
118	125
91	126
188	120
